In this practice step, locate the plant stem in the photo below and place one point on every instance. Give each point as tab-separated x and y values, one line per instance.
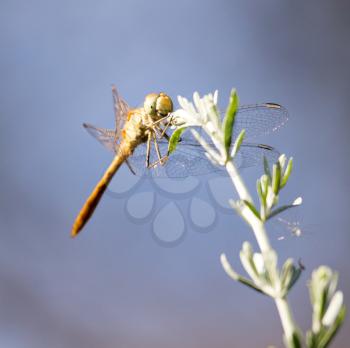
286	316
261	236
238	182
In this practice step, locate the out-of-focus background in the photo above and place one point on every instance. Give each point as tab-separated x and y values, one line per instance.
115	286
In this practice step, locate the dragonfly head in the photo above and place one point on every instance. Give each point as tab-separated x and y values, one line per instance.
158	104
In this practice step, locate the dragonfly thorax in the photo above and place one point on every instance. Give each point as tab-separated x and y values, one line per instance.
135	129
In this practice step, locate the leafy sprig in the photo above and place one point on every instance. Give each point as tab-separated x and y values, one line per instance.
264	274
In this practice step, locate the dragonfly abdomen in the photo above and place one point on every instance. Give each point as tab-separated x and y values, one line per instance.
91	203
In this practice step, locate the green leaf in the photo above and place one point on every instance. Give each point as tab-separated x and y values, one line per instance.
276	177
282	160
237	144
294	341
311	339
264	185
229	120
252	208
296	274
287	173
324	336
259	190
280	210
247	259
331	332
174	139
261	196
234	275
287	273
250	284
267	168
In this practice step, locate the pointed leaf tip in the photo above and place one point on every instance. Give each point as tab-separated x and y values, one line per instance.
229	119
298	201
238	143
174	139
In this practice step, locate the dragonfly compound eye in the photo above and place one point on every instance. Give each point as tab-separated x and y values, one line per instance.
164	104
150	103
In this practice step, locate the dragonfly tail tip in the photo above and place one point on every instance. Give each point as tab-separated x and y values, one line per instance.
74	231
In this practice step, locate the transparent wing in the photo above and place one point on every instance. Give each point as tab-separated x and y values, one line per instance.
251	155
189	157
105	136
121	110
182	163
190	160
110	138
259	119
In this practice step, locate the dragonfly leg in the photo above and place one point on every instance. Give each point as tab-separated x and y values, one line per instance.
162	119
157	148
157	130
161	160
166	136
130	167
163	134
148	149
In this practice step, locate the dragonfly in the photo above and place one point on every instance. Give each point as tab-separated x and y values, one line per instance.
137	128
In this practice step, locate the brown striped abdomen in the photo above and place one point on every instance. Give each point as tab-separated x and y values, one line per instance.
95	196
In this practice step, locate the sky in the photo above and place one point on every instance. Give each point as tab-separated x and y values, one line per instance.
139	282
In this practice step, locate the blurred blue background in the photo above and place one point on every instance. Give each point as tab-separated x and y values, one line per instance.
114	286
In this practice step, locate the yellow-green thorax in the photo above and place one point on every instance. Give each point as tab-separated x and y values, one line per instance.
141	121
